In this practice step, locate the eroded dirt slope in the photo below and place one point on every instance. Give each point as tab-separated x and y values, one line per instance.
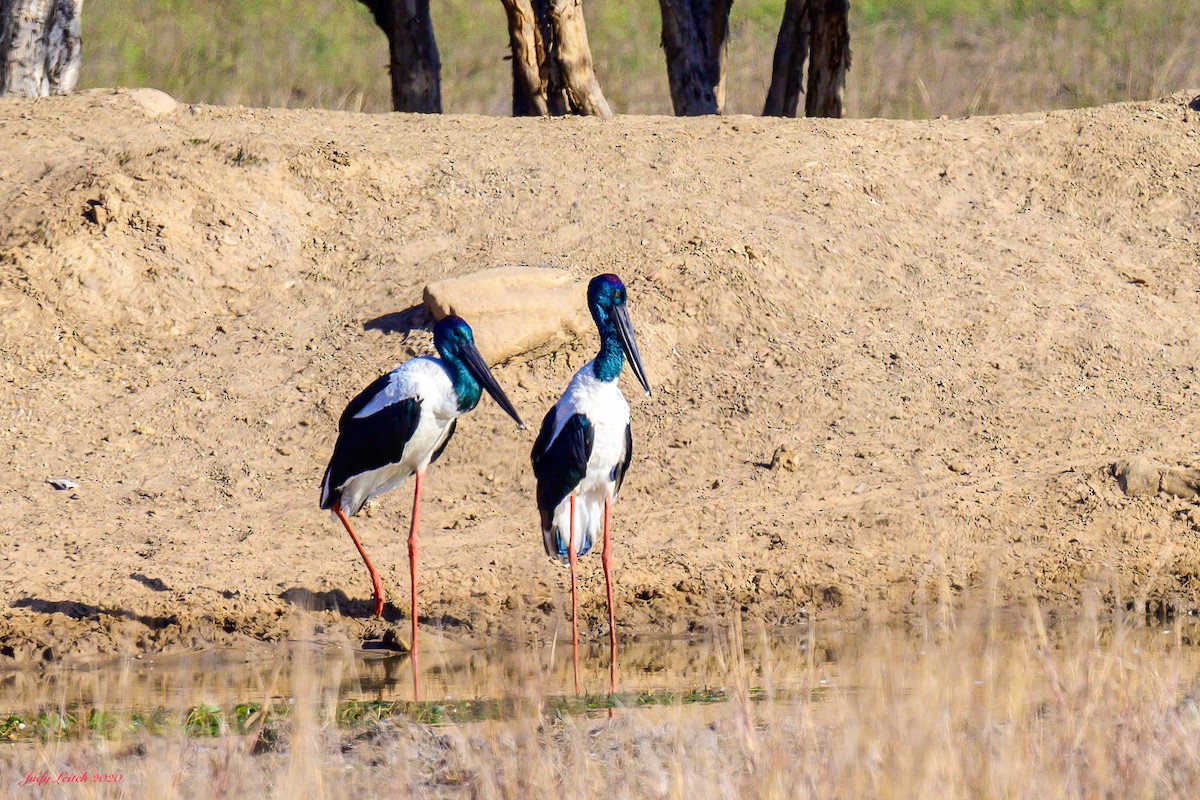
955	325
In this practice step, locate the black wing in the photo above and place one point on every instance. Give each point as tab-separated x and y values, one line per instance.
543	438
367	443
620	469
361	399
560	465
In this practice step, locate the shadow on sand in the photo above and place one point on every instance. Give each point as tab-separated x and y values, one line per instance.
76	610
401	322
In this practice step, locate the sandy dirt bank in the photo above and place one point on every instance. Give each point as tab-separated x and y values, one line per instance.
954	326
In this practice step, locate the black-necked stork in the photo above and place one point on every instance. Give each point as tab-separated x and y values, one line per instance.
400	424
584	449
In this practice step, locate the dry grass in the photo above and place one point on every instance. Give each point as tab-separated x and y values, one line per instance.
916	58
974	706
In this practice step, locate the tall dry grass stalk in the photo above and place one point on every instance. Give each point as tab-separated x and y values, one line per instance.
971	704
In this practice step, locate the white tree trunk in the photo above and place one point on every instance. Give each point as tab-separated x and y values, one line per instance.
574	58
553	71
39	47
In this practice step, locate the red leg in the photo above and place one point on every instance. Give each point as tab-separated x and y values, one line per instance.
612	619
412	569
574	605
376	583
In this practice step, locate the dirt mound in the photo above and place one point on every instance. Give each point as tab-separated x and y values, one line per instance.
954	327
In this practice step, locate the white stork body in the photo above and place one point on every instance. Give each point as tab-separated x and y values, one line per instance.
607	411
584	449
395	428
425	381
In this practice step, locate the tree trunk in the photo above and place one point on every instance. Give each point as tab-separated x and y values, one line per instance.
694	40
528	55
40	47
415	69
552	61
817	31
830	59
551	70
787	70
573	58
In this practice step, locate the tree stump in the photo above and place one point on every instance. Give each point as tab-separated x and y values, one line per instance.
40	47
817	31
694	41
413	54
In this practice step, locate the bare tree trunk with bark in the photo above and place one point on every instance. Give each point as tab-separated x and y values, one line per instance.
787	70
694	41
817	31
40	47
529	89
573	56
829	57
553	71
415	69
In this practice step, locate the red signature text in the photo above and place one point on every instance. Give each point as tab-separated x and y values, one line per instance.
46	778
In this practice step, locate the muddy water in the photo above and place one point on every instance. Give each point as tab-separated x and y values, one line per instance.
782	664
447	670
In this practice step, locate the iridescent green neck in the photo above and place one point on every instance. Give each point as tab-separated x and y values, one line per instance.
610	360
466	388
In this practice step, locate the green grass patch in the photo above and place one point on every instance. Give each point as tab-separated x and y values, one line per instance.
210	720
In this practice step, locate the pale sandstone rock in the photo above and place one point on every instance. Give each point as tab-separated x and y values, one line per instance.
785	458
1138	476
1181	482
153	102
514	310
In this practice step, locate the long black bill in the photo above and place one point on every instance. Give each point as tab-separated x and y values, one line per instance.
629	345
479	369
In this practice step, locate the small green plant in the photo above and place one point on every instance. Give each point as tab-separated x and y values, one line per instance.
49	725
244	158
206	719
12	727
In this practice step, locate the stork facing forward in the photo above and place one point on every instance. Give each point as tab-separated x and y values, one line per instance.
584	449
398	426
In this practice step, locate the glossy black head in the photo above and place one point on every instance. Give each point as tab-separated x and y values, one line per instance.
607	298
455	343
605	292
452	333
